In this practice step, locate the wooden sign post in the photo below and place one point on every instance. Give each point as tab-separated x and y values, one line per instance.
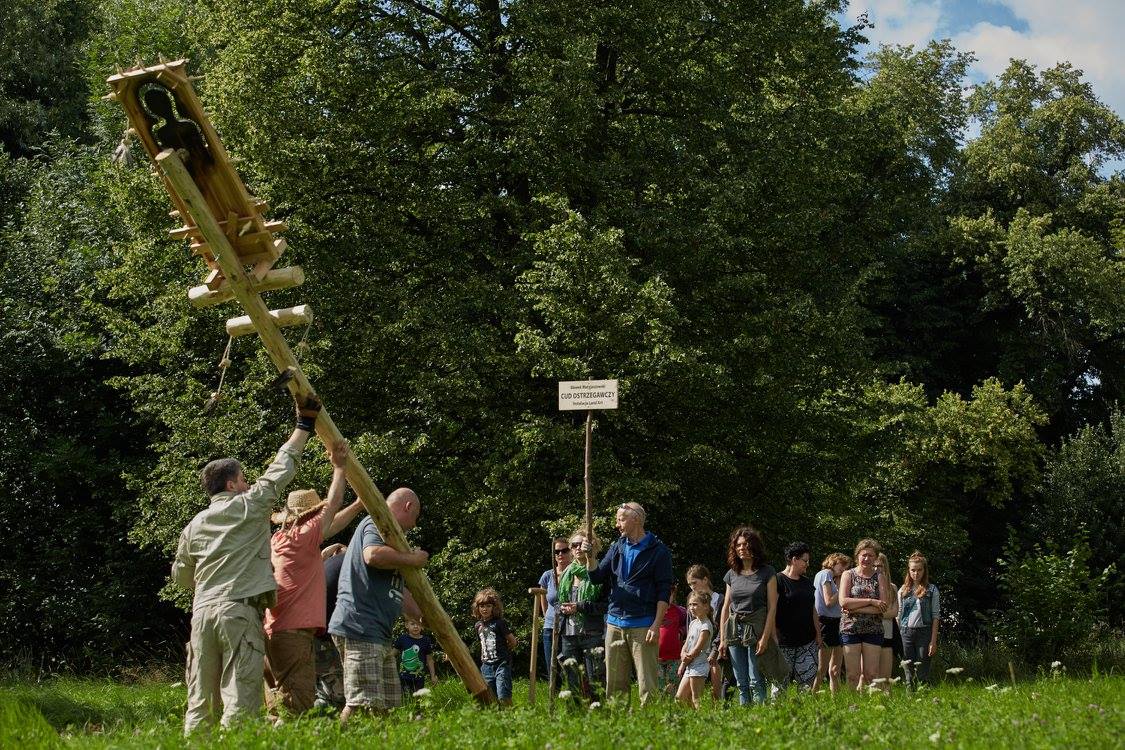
576	395
239	246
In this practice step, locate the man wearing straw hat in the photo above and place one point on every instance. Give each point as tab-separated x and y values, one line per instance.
299	615
223	557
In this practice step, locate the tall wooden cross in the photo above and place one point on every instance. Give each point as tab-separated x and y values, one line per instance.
227	229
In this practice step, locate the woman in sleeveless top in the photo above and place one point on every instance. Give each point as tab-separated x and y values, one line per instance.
863	596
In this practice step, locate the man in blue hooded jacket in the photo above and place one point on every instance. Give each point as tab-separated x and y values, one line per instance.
638	570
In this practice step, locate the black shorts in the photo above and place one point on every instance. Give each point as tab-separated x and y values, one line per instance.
830	631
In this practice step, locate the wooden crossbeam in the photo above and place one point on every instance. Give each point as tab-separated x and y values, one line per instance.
284	318
206	295
186	193
245	225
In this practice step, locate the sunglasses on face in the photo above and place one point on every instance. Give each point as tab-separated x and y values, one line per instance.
575	545
562	551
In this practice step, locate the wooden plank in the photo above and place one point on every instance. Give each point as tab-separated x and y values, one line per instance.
245	224
278	349
287	317
279	278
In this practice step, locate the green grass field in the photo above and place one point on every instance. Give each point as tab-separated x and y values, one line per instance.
1049	712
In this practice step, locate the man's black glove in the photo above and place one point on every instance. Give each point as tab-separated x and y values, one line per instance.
307	413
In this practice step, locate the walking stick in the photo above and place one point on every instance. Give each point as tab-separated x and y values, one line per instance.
554	642
535	592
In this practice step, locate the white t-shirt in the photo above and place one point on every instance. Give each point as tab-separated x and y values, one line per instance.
698	666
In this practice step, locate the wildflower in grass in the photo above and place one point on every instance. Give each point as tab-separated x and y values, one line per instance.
955	670
598	651
1056	665
595	706
993	686
421	692
564	695
905	663
571	662
895	680
879	681
936	737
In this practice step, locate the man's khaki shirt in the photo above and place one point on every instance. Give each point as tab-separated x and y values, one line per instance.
224	553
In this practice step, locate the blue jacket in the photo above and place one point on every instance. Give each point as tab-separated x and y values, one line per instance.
633	597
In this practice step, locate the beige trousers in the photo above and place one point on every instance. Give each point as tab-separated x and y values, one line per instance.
626	650
290	657
224	663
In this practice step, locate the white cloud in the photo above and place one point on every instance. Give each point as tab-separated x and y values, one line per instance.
1086	33
899	21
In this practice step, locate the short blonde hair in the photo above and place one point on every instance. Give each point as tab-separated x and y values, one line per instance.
836	558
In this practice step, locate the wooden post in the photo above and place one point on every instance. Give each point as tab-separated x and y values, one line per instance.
589	499
535	592
242	288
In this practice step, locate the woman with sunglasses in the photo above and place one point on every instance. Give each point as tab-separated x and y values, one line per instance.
560	549
581	622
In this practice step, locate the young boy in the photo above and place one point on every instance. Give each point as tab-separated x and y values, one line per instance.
416	657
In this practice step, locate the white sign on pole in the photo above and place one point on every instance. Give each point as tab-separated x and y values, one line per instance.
587	394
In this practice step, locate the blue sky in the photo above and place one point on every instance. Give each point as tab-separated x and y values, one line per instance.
1087	33
961	15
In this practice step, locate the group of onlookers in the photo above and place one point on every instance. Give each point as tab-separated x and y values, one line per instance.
767	627
328	636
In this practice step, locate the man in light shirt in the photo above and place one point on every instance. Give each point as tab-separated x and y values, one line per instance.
223	558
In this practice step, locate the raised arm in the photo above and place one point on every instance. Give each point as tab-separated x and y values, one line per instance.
336	520
338	455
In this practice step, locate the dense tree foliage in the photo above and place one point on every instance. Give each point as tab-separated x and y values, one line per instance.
830	316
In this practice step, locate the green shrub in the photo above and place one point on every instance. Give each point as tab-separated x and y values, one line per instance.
1052	602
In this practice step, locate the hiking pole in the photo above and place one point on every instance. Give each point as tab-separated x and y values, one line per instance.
535	592
554	646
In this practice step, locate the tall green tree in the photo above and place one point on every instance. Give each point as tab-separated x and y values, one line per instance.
42	78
